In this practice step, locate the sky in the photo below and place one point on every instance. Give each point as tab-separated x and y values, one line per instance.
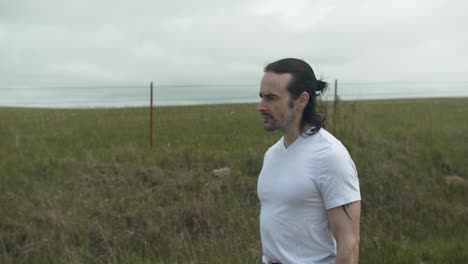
114	42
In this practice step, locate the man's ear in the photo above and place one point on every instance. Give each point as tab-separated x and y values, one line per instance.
302	101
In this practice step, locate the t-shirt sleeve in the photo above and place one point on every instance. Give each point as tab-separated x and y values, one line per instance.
339	181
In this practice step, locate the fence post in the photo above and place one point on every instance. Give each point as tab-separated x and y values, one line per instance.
335	102
151	116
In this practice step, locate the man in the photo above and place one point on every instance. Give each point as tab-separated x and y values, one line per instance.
308	186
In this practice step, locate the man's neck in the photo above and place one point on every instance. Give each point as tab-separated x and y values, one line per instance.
290	135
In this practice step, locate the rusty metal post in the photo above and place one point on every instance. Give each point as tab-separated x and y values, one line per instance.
335	102
151	116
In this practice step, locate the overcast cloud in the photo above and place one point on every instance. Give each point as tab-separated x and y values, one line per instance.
56	42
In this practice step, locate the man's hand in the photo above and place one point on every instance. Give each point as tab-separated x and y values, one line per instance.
344	224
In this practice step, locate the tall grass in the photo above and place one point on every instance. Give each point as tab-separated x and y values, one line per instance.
82	186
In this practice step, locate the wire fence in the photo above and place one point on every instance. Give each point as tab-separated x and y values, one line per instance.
166	95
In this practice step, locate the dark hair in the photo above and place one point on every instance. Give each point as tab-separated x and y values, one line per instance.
303	81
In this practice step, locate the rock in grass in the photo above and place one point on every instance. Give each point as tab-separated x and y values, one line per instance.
455	180
221	172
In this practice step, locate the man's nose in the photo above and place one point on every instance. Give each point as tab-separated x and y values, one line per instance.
261	106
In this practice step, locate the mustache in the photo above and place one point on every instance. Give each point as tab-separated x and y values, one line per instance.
266	114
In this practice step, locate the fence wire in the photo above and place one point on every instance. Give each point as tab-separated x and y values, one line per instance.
165	95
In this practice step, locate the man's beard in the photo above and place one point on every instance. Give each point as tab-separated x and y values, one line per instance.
280	124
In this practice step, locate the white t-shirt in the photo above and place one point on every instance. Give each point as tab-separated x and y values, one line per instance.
295	187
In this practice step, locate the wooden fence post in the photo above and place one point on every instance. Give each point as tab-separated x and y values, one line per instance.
335	102
151	116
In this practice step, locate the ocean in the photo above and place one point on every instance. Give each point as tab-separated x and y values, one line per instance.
168	95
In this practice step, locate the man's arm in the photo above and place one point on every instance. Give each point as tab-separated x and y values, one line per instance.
344	223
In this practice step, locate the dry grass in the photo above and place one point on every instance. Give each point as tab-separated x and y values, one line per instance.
82	186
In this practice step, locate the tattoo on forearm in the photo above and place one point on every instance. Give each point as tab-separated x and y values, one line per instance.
345	209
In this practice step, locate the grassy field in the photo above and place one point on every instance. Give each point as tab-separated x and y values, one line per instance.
82	186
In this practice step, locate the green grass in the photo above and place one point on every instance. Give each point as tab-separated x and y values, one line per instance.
83	186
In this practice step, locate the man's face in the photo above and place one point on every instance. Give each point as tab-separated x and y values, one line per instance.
275	105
